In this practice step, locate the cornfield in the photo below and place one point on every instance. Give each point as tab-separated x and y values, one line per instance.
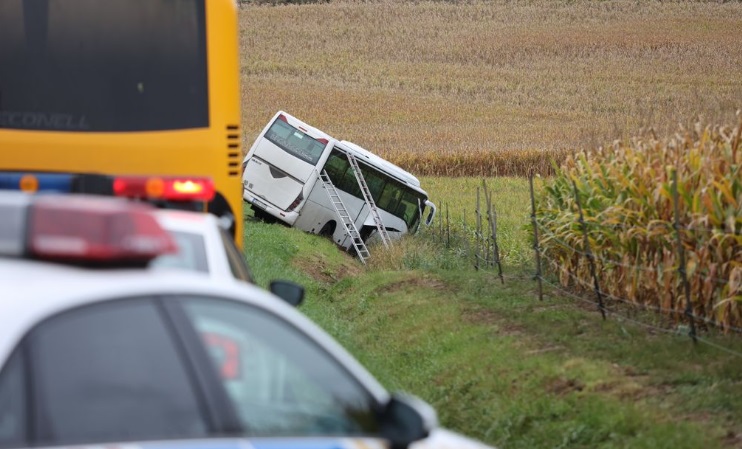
518	163
487	76
628	198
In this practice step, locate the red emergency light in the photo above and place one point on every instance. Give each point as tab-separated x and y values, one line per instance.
95	229
165	188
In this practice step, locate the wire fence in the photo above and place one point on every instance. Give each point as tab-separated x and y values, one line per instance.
479	241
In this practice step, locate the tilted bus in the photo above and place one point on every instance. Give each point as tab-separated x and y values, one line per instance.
282	181
282	165
129	97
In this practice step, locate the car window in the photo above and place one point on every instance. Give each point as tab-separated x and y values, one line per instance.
237	263
191	253
12	402
111	372
280	381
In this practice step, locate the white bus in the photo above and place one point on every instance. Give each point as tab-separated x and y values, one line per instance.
281	164
400	201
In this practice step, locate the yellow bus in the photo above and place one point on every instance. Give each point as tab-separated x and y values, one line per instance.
117	96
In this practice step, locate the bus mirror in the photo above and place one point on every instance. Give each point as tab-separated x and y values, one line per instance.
431	214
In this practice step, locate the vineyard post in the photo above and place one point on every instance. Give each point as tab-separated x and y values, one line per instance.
681	257
535	240
589	253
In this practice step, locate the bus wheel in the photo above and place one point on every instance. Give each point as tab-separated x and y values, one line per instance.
263	215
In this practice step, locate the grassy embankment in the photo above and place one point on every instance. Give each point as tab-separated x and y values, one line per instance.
500	365
473	89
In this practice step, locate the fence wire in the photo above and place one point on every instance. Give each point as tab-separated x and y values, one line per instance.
545	231
657	309
477	241
623	318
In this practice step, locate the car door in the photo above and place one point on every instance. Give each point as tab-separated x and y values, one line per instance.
106	372
179	367
279	380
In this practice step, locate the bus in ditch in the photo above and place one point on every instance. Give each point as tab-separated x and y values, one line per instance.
282	181
136	98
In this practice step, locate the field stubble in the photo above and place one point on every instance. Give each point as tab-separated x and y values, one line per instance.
463	88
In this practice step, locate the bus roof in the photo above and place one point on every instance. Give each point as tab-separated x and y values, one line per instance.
298	123
380	163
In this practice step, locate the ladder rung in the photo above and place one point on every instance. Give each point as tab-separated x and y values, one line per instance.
350	227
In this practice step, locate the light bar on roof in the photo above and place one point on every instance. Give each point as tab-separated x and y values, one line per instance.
167	188
94	229
13	210
37	182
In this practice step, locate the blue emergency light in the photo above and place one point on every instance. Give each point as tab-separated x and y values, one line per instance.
37	182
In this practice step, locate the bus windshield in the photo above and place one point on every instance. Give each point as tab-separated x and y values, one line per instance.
106	66
295	142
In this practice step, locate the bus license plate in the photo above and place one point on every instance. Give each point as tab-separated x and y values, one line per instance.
260	204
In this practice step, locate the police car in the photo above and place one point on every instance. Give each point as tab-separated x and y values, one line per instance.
97	349
203	242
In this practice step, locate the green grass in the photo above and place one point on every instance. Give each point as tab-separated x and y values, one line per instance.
497	363
457	204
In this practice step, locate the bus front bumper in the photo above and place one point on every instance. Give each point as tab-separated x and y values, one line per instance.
258	203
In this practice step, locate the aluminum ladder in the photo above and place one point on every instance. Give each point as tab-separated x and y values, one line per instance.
345	219
369	200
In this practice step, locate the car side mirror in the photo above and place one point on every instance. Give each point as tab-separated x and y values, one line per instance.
288	291
406	419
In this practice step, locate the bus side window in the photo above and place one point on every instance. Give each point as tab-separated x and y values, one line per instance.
349	184
336	167
374	181
389	197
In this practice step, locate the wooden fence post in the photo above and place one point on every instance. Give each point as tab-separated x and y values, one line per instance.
477	233
492	217
440	224
448	229
681	257
589	253
536	248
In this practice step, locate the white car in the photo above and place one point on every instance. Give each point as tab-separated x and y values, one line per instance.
97	348
203	245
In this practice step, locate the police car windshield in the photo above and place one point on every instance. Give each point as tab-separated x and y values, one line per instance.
191	253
